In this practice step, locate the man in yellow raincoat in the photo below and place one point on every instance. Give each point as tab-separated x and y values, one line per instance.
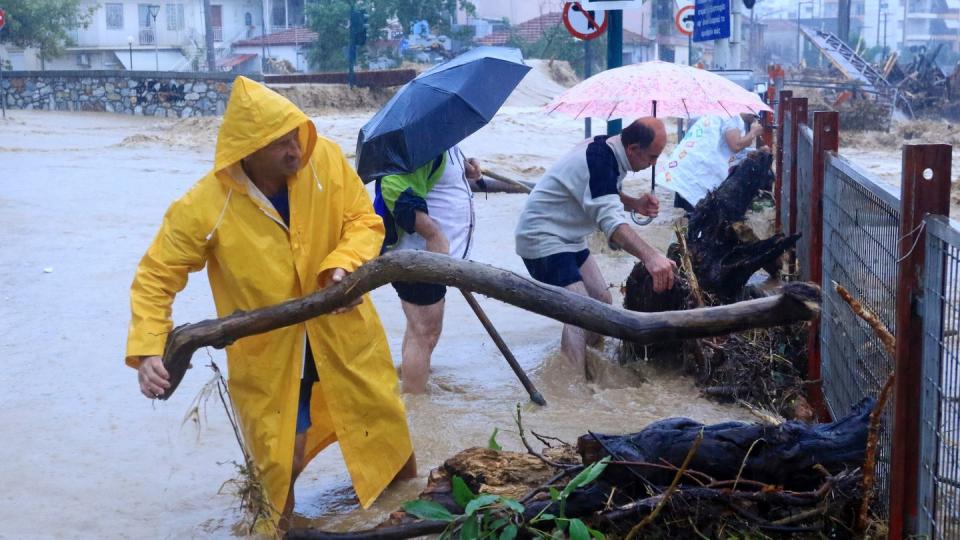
280	215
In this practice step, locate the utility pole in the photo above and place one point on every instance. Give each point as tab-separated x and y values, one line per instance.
587	71
843	30
208	37
614	55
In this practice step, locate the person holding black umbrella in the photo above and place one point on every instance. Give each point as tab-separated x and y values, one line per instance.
429	209
578	195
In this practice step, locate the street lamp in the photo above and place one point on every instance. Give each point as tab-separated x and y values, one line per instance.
799	37
130	45
154	11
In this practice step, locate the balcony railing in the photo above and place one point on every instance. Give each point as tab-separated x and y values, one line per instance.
218	33
147	36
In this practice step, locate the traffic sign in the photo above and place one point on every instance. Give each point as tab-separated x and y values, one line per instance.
684	20
711	20
3	18
583	23
603	5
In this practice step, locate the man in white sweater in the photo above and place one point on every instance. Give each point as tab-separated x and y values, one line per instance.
580	194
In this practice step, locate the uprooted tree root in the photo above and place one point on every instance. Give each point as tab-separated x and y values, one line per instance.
674	479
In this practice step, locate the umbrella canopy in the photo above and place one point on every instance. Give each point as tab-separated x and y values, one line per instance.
438	109
657	89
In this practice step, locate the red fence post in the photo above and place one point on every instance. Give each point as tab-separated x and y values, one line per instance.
925	189
784	102
798	112
826	138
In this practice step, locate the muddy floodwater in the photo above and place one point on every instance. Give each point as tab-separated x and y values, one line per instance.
83	454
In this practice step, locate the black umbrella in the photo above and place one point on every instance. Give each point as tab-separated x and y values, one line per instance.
438	109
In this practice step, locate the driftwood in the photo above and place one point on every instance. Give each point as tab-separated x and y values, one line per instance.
722	260
799	302
497	183
780	480
781	455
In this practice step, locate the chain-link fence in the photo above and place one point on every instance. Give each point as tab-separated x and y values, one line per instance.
939	487
861	227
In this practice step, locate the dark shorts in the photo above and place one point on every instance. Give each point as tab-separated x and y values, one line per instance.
420	294
306	385
560	269
303	409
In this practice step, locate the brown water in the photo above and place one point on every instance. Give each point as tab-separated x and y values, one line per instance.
85	455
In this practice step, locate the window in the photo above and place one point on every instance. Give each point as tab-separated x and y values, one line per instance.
114	16
175	17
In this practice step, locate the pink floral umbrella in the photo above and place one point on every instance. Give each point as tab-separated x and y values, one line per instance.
658	89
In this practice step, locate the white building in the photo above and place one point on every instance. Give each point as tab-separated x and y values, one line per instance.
166	35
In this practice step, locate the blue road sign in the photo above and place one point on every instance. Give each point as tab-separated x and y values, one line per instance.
711	20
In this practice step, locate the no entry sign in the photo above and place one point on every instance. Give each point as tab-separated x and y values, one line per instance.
582	23
3	18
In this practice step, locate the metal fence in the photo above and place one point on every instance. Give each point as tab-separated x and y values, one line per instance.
861	227
804	182
785	173
905	268
939	482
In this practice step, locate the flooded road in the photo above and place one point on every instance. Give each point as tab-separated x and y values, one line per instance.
85	455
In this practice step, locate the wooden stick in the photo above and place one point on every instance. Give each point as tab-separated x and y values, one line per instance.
873	433
798	302
506	180
535	396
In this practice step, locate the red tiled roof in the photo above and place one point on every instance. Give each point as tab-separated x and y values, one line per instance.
529	31
290	36
234	60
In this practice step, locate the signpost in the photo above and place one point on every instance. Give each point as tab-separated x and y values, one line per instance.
3	92
582	23
711	20
605	5
585	25
683	20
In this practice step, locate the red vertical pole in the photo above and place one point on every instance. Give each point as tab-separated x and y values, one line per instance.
826	138
798	112
784	102
925	189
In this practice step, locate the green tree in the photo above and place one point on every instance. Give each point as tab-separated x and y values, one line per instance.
44	24
557	44
330	19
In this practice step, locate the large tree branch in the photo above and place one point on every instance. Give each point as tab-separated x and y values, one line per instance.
798	302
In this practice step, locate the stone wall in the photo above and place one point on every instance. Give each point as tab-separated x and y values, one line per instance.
147	93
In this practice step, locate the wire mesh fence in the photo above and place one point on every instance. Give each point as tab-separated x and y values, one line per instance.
804	182
861	227
785	173
939	482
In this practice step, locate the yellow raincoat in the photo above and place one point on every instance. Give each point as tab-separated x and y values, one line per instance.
253	260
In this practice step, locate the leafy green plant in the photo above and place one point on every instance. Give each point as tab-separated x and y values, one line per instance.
488	516
492	443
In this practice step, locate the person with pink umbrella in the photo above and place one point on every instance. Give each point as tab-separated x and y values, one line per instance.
578	195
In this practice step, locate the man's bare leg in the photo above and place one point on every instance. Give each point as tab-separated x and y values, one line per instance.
597	289
573	341
299	446
424	325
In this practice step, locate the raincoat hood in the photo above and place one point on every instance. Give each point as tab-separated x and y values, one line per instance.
255	117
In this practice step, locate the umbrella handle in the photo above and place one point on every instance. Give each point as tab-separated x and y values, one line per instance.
640	220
